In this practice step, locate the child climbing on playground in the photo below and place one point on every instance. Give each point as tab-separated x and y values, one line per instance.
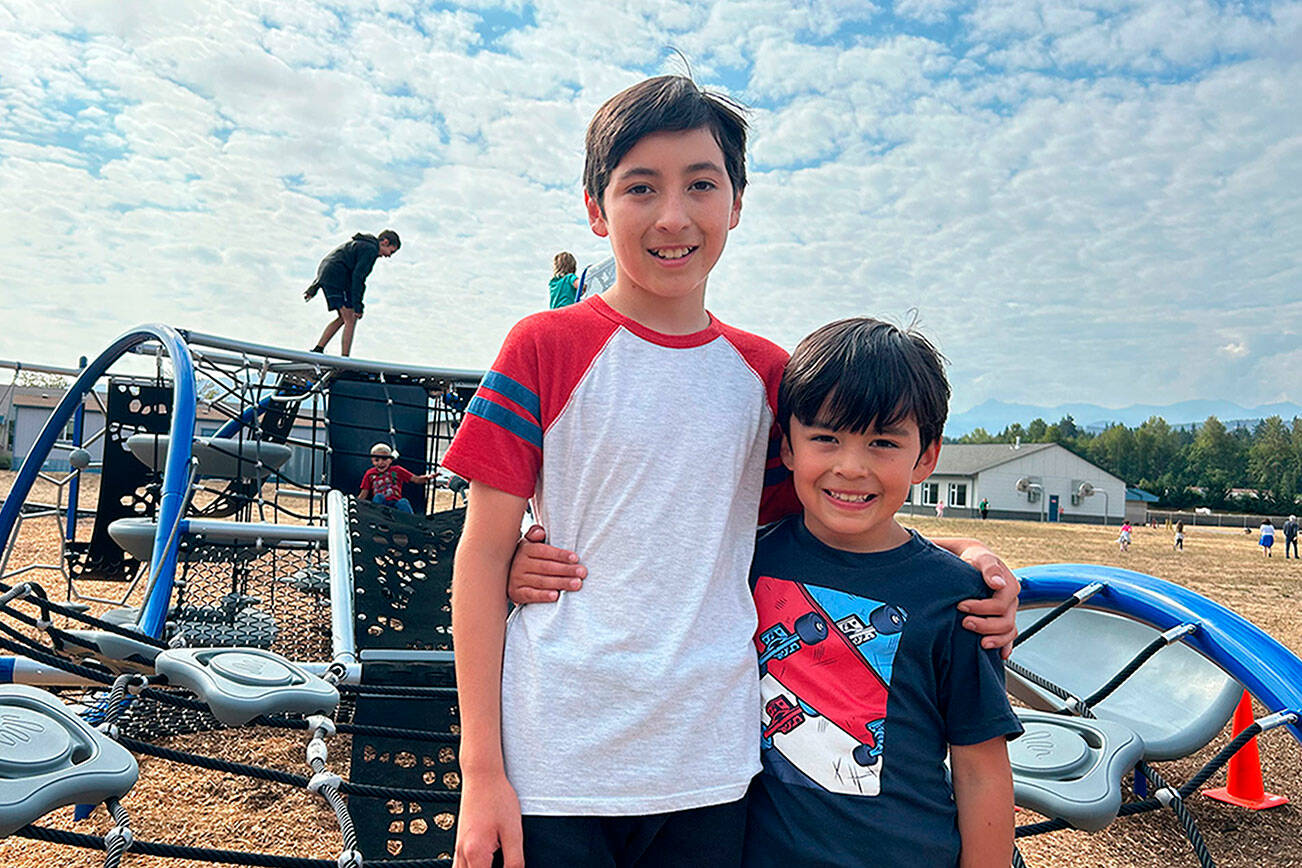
640	426
564	286
383	480
861	406
342	275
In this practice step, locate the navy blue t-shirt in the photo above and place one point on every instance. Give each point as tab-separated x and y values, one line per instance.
867	675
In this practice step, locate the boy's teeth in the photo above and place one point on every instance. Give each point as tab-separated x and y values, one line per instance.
850	498
672	252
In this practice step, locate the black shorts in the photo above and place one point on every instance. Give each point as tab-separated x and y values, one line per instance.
337	298
709	837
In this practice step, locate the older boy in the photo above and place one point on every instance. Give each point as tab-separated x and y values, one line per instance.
624	716
867	678
342	274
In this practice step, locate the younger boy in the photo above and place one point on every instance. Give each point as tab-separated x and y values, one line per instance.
866	675
621	721
383	480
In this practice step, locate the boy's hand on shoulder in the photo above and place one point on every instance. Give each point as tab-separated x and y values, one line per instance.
995	618
489	820
539	572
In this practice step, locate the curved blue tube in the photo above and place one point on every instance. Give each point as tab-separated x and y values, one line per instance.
1270	672
175	476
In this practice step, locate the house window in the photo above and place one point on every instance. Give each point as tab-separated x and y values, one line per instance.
930	493
958	494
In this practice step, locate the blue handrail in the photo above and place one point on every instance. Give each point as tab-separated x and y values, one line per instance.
1270	672
176	473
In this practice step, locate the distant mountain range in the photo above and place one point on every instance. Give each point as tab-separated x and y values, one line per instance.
994	416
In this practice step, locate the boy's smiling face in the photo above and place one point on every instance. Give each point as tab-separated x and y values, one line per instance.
851	485
667	210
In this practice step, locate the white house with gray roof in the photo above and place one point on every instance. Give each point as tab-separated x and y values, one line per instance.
1033	481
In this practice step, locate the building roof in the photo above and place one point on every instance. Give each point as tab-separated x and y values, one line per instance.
1141	494
44	398
969	459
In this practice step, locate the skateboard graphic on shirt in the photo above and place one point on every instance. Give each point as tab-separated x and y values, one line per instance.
825	661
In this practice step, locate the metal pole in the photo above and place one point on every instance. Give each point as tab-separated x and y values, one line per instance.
74	487
343	640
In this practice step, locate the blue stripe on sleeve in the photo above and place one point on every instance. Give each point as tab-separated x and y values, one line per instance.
516	391
512	421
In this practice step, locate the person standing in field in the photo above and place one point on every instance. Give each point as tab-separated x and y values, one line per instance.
342	275
564	286
1290	536
984	507
1178	545
1267	538
1123	540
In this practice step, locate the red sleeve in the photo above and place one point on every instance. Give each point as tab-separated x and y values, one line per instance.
404	475
366	480
500	441
767	360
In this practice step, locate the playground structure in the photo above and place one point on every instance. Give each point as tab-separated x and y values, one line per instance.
274	602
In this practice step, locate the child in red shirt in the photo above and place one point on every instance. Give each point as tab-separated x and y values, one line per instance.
383	481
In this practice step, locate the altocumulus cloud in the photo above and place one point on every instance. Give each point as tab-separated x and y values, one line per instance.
1089	201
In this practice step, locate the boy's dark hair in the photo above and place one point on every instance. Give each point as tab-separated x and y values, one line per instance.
390	236
666	103
861	373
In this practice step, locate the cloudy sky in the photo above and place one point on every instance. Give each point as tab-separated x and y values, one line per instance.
1091	201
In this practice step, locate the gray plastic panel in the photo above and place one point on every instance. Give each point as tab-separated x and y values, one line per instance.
135	536
240	684
119	653
218	456
1070	768
1177	702
49	758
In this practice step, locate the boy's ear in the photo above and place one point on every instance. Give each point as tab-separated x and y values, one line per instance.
735	217
595	218
926	462
785	451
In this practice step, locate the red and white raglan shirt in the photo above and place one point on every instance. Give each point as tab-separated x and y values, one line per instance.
646	454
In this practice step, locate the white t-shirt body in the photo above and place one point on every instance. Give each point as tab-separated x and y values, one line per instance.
646	454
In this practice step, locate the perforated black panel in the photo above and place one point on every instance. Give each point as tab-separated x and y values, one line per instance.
134	406
402	829
402	576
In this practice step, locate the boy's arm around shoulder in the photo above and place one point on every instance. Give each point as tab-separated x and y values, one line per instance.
994	617
490	810
983	795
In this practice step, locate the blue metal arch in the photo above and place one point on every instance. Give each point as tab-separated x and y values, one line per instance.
1271	672
176	474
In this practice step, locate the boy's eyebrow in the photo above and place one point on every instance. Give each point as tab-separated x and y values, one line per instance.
647	172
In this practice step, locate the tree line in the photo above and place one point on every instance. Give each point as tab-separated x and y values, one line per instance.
1254	469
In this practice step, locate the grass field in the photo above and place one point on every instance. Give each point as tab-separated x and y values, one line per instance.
178	805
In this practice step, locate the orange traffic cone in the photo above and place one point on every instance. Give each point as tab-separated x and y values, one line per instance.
1243	785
